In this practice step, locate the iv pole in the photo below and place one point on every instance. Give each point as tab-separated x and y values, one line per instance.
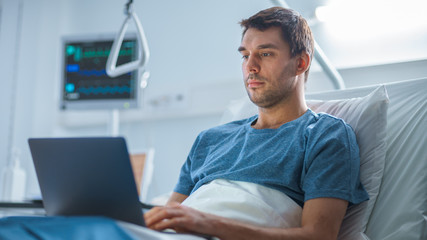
321	58
138	64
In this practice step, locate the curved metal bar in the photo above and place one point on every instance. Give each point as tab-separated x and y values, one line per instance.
143	54
321	58
328	68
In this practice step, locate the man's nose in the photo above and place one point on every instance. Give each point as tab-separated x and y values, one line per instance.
252	65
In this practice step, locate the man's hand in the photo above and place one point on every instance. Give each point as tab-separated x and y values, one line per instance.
180	218
321	219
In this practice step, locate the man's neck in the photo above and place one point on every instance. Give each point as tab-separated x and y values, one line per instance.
275	116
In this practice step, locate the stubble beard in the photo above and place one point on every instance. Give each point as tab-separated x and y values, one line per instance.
267	98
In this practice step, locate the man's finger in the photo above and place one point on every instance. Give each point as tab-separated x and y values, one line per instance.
160	215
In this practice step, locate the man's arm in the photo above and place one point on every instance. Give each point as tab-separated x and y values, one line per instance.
321	219
176	198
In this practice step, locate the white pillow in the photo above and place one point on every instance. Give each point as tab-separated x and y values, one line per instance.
368	118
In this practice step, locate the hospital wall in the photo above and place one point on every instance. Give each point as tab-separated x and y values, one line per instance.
193	54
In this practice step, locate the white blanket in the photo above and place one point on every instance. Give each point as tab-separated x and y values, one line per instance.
243	201
247	202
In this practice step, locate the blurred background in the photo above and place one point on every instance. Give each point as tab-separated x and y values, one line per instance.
194	66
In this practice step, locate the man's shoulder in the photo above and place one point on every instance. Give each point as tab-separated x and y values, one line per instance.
321	121
327	119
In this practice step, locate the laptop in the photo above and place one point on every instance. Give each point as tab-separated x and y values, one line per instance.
86	177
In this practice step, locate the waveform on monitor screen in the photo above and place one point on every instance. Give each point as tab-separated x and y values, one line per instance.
75	68
99	52
97	73
104	90
92	72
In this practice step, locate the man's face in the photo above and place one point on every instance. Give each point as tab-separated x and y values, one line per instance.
269	72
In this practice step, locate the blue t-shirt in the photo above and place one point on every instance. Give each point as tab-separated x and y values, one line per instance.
313	156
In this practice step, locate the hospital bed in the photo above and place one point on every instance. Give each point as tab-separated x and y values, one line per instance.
396	174
390	124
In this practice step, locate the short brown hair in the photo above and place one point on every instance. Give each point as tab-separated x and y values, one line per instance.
295	29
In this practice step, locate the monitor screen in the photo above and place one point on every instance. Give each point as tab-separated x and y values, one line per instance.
85	83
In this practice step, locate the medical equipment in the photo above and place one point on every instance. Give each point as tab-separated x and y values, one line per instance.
143	56
85	83
106	71
143	53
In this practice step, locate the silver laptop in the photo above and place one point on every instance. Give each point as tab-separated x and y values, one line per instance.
86	177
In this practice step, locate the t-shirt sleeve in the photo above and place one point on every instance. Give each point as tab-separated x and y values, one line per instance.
185	182
332	163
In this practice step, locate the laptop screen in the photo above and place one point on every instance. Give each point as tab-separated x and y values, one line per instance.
85	177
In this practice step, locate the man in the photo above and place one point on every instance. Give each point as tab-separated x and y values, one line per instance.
311	158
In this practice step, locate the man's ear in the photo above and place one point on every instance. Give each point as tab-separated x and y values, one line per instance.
303	63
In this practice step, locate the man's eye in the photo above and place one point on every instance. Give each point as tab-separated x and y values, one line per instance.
245	57
265	54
